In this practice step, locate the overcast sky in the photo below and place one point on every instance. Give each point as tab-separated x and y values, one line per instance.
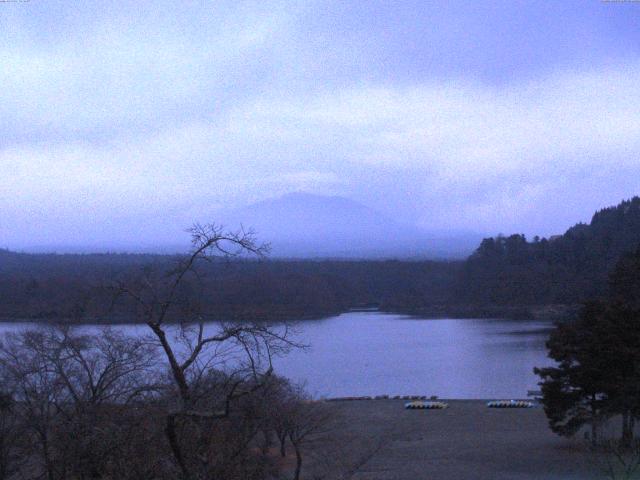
127	121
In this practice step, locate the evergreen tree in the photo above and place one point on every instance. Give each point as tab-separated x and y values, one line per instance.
598	356
565	269
574	392
624	282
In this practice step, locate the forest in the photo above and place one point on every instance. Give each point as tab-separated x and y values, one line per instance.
565	269
504	274
76	286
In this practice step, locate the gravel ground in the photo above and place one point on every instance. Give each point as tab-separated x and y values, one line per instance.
380	440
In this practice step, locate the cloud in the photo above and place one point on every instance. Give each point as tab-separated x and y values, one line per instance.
122	73
500	149
477	147
465	129
305	181
121	116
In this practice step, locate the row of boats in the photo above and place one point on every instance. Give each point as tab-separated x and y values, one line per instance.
424	405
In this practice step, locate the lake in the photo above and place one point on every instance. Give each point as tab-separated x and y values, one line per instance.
370	353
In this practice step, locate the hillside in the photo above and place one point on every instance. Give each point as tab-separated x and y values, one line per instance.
561	270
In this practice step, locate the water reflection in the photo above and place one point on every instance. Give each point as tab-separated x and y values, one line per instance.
368	353
373	354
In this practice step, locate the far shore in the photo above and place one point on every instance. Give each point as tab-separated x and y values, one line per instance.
511	312
522	312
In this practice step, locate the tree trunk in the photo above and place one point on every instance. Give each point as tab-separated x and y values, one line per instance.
296	475
267	442
178	373
47	456
594	422
185	397
283	448
627	428
172	437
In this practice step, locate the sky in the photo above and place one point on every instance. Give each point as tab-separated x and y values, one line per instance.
123	123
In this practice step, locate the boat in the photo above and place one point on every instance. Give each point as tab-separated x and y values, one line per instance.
421	405
510	404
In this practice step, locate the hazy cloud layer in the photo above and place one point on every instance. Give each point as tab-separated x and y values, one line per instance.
123	123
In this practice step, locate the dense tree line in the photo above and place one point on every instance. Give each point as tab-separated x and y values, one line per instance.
504	275
55	286
566	269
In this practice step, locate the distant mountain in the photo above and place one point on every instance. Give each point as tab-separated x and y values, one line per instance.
307	225
563	269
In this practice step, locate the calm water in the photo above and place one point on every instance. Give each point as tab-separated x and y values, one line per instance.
376	354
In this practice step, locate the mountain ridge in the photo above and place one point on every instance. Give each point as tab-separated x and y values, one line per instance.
302	224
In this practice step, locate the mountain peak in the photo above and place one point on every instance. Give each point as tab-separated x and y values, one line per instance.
302	224
312	200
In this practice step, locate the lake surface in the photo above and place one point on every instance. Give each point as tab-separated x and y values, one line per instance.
369	353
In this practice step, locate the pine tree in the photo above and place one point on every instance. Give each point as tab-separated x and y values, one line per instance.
598	360
574	392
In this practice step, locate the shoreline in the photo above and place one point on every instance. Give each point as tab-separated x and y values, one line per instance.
550	312
433	312
435	398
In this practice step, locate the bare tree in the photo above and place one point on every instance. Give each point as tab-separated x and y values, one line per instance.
187	400
37	390
295	417
72	392
11	458
282	399
170	304
309	420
